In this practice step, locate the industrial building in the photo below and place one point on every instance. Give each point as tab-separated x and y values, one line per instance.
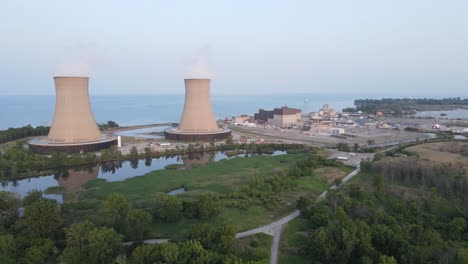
73	128
283	116
242	119
198	121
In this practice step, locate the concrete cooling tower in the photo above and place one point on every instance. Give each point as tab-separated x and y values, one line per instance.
73	128
198	121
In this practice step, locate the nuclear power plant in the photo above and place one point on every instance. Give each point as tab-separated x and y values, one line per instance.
198	121
73	128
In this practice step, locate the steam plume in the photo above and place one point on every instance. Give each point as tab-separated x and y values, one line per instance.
200	68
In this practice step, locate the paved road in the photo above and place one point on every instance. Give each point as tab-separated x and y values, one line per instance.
275	244
270	228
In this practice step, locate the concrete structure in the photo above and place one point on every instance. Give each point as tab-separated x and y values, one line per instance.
337	131
326	108
279	116
198	121
285	120
73	127
241	119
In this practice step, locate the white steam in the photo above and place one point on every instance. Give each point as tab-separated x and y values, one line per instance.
79	61
201	67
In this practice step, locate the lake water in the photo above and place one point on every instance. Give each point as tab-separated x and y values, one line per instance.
451	114
144	132
74	178
149	109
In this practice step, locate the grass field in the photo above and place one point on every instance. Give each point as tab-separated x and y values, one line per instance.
217	178
438	152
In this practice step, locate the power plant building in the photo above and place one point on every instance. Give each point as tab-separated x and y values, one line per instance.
198	120
73	128
283	116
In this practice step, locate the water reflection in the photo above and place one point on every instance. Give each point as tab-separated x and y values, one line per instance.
74	178
197	159
111	166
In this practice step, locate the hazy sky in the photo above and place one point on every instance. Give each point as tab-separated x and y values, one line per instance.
410	47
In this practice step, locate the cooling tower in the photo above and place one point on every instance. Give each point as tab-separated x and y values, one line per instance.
73	128
73	119
198	121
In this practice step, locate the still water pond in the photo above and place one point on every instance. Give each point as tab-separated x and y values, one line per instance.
74	178
451	114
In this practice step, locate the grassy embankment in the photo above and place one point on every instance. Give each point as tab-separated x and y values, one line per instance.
216	178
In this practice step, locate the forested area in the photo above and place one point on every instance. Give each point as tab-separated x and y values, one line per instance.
29	131
399	106
401	210
22	132
40	234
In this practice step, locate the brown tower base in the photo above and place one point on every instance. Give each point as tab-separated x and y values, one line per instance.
42	146
174	134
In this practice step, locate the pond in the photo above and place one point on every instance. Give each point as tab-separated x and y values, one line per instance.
449	114
74	178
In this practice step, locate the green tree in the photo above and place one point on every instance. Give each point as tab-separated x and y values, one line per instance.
42	219
167	208
343	147
379	183
104	245
366	166
41	252
383	259
156	253
88	244
462	256
146	253
9	206
138	221
206	207
77	236
168	253
229	141
192	251
116	207
7	249
31	197
218	238
133	153
456	227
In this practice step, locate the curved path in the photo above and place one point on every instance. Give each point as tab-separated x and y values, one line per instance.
274	229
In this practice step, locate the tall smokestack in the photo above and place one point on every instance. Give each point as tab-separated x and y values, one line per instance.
73	119
198	121
73	128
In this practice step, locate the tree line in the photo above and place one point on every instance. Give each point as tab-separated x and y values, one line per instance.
40	234
22	132
15	133
402	106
